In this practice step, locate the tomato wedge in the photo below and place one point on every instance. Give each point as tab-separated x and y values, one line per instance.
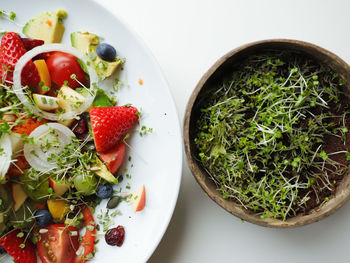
58	244
88	240
61	66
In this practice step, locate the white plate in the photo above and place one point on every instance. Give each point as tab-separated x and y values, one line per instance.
156	159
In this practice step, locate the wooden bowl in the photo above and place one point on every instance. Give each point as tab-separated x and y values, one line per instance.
215	74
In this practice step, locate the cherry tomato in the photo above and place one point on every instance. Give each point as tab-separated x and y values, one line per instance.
88	240
61	66
59	244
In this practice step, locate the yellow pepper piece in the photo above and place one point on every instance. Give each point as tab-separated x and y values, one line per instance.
44	75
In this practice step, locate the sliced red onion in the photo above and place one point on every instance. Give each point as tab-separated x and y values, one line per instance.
54	134
20	92
5	155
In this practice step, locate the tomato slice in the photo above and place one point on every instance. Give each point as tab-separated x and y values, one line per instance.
59	244
61	66
88	240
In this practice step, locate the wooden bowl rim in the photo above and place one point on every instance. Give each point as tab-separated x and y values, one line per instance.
343	191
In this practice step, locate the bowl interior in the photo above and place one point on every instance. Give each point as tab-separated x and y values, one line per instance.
214	75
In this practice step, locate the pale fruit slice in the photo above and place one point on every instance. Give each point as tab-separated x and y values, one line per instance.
45	103
69	100
59	187
18	195
138	199
16	142
58	208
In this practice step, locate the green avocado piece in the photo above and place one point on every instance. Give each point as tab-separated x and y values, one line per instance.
6	204
46	26
36	187
23	218
104	173
102	99
87	43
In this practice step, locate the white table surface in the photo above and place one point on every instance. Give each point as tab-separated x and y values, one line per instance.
186	37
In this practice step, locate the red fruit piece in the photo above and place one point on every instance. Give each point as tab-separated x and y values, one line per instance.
115	236
12	49
114	158
30	43
11	243
111	124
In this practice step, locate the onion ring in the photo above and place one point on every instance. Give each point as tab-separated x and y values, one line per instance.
19	90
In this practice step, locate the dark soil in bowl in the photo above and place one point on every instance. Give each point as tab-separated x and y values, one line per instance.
316	183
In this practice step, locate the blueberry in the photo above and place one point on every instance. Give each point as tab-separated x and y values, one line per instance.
43	218
2	250
104	191
106	52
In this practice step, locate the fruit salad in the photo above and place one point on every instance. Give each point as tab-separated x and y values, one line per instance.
62	141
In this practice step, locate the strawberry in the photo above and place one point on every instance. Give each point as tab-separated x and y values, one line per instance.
12	49
30	43
111	124
11	242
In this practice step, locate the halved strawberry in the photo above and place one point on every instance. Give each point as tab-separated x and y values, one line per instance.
111	124
22	251
12	49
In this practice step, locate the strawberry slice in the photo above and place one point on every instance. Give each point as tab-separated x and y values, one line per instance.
111	124
13	245
12	49
30	43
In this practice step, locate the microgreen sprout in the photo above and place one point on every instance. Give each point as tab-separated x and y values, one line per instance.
263	131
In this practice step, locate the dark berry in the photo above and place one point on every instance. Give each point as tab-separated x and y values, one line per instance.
80	127
106	52
115	236
2	250
104	191
43	218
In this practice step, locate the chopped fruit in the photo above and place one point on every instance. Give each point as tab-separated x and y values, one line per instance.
59	187
114	157
46	26
111	124
58	208
88	241
44	74
68	100
16	142
18	195
138	199
62	66
58	243
30	43
12	49
46	103
28	126
101	170
18	247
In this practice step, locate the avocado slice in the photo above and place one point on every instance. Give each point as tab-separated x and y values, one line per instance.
104	173
103	100
87	43
23	218
36	188
46	26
